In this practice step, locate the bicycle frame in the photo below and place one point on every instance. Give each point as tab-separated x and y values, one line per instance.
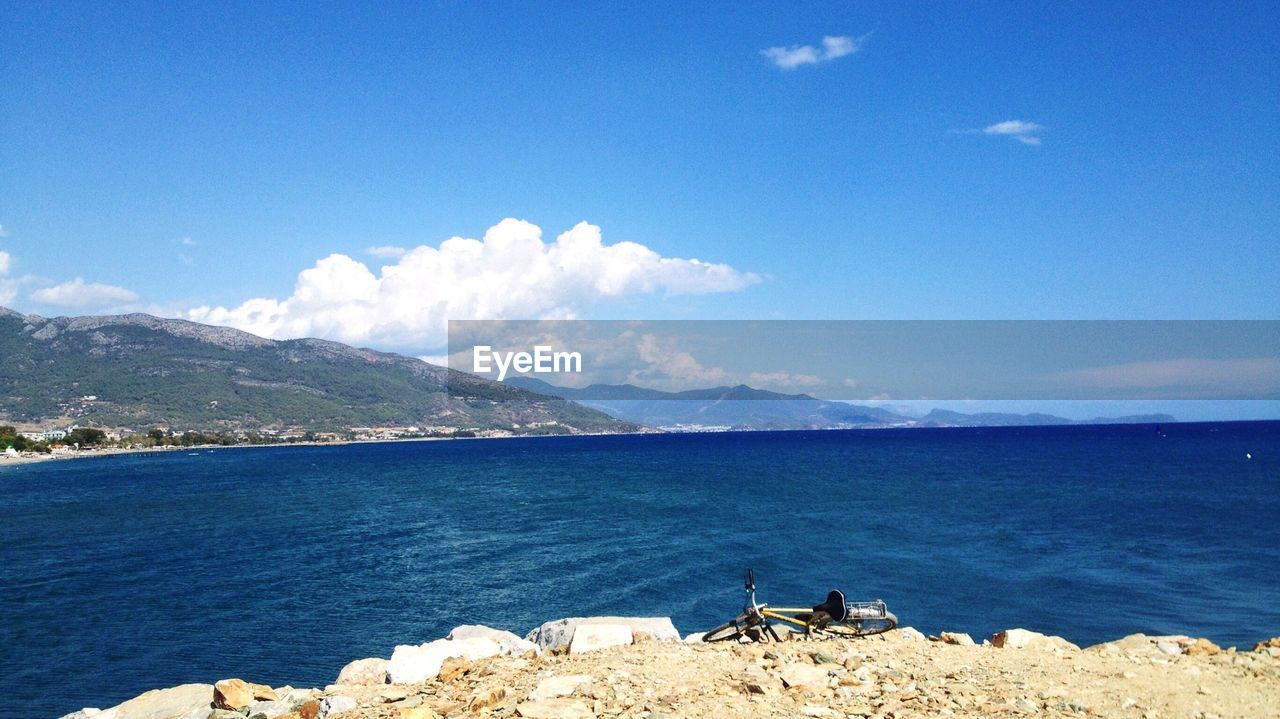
764	612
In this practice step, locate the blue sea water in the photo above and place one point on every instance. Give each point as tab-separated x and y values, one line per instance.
279	565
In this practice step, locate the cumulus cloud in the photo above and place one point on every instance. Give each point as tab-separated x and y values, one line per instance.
78	294
386	251
511	273
1020	130
831	47
665	362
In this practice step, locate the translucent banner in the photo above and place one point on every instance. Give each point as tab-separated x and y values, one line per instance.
874	360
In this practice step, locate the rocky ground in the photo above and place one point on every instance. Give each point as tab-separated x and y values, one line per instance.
637	668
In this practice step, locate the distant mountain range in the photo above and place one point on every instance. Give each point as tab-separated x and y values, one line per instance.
138	371
744	407
947	418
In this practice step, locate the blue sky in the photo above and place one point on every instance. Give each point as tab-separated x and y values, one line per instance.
186	159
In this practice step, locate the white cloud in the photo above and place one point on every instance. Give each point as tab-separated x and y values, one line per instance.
1020	130
3	231
665	363
187	242
78	294
839	46
8	288
784	380
1245	377
510	274
831	47
386	251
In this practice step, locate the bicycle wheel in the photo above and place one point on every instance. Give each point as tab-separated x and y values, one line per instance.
862	626
731	630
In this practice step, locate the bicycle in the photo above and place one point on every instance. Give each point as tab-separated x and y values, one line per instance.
833	618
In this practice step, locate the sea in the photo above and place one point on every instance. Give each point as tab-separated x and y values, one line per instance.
279	565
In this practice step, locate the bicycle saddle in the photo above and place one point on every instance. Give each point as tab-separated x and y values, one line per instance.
834	607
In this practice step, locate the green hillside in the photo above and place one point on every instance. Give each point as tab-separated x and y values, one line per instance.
144	371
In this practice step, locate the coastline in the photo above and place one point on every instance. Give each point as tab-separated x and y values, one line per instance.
641	668
33	458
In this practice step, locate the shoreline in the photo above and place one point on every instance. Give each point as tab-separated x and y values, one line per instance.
642	668
27	458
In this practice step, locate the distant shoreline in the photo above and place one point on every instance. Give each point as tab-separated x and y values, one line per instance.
27	459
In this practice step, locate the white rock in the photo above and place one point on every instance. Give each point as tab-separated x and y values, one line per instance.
695	638
553	687
295	696
957	638
912	634
413	664
813	710
83	713
364	672
513	643
804	675
1169	648
336	705
559	632
1026	639
593	637
174	703
270	709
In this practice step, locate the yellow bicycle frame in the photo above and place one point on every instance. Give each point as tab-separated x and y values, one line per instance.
782	614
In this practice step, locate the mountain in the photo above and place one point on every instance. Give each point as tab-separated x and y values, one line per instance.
948	418
139	371
738	407
746	408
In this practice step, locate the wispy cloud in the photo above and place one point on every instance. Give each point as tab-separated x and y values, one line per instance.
388	252
3	231
1020	130
832	47
5	259
786	380
1243	377
183	257
78	294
